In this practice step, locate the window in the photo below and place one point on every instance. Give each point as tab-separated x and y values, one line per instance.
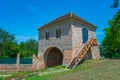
84	35
47	35
58	33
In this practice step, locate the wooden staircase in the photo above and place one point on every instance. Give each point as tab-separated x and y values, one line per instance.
81	53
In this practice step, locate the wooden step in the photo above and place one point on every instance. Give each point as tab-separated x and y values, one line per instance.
81	53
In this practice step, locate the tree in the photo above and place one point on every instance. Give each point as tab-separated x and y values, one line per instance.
8	45
111	42
28	48
115	4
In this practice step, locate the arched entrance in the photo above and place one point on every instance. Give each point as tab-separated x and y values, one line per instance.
53	57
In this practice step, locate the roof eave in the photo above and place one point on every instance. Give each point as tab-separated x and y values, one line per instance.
65	17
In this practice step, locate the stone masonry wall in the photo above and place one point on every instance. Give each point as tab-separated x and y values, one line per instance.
13	67
95	52
77	34
65	42
69	43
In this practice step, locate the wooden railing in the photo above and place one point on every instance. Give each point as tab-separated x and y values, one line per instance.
81	53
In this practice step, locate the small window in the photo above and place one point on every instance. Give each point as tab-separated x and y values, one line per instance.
58	33
47	35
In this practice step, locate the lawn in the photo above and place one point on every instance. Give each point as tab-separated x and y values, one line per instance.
88	70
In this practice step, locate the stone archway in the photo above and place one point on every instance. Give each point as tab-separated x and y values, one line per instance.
53	57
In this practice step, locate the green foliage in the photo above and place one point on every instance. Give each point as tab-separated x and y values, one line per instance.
102	51
8	45
28	48
115	4
111	42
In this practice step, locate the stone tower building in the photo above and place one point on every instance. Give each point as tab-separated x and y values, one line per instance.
61	39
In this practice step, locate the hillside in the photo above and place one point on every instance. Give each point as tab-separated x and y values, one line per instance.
88	70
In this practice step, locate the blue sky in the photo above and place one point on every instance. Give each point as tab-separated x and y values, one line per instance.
23	17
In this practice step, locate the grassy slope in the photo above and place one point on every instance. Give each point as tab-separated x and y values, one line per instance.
89	70
35	74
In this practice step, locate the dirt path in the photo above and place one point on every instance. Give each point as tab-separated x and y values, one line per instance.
51	72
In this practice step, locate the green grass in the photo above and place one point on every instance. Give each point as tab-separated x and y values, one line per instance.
88	70
36	77
35	73
13	75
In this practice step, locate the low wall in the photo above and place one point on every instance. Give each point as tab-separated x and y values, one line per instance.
16	67
13	67
25	67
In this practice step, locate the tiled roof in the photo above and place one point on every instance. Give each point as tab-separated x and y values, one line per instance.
65	17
